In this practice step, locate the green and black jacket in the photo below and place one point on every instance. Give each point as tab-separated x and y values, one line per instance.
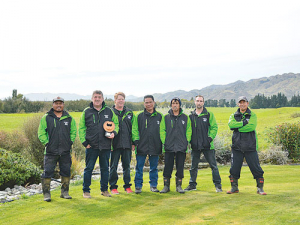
145	133
176	132
91	126
123	140
57	134
243	125
205	130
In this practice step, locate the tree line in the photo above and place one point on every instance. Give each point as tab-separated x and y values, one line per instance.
17	103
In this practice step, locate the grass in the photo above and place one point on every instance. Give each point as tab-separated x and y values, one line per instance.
204	206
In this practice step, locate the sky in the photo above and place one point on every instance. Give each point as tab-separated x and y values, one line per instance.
143	47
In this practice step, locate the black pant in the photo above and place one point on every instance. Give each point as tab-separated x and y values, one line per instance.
50	161
237	158
169	164
125	155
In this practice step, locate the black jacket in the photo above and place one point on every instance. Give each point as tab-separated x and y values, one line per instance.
91	129
58	134
123	139
145	133
175	132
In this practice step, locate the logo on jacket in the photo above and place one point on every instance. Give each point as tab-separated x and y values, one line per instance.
129	116
66	123
204	119
157	122
183	122
106	116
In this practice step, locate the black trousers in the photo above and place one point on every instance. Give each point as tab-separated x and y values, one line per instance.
50	161
169	164
237	158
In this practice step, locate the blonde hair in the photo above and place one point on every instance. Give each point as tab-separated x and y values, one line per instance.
119	93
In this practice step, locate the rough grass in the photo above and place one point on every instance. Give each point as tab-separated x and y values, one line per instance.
204	206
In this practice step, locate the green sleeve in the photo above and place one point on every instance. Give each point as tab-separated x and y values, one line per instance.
73	130
116	122
162	130
213	126
189	129
251	126
232	123
135	129
82	128
42	133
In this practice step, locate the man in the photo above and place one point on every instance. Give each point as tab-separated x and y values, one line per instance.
175	133
57	131
92	136
121	145
205	129
244	145
146	138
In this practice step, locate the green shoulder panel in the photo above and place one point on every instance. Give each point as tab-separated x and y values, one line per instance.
42	133
82	127
73	131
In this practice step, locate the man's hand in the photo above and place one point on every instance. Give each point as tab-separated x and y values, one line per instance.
111	136
88	146
133	147
245	122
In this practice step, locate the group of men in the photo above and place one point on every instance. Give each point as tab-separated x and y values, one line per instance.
148	133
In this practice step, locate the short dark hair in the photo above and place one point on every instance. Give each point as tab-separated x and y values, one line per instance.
200	96
148	96
97	92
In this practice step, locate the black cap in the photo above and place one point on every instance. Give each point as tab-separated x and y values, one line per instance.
242	98
176	99
58	99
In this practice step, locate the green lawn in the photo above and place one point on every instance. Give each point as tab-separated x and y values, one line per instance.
281	205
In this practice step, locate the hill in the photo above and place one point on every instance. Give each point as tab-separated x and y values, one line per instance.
287	84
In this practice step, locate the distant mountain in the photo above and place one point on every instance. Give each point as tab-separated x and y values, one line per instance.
288	84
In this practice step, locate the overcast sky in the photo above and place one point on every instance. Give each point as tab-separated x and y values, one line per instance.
143	47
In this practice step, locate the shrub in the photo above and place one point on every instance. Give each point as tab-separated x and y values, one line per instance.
222	145
78	149
77	165
287	135
36	148
295	115
274	155
14	141
15	170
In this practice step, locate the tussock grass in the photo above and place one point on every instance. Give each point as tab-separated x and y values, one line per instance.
204	206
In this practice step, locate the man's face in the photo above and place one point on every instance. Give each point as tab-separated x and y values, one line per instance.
175	106
199	102
149	104
243	105
97	100
58	106
120	101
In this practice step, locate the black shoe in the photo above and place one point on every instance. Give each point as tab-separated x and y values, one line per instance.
138	190
190	188
154	189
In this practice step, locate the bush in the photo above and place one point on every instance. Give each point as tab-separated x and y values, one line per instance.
77	165
36	148
222	145
287	135
274	155
14	141
78	149
15	170
295	115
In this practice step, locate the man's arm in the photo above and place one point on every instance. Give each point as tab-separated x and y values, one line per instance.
213	126
82	130
73	130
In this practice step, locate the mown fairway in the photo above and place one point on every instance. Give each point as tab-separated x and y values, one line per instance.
281	205
267	119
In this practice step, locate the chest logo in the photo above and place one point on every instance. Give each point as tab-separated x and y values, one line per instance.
204	119
129	116
157	122
182	122
66	123
106	116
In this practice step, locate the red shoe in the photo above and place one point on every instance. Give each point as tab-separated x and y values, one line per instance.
128	190
114	192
